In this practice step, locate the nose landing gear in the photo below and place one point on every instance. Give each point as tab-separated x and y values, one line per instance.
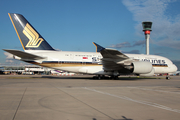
167	77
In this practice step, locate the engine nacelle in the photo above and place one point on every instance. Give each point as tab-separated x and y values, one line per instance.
148	74
142	67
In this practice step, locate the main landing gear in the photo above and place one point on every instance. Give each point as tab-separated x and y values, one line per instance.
98	77
114	77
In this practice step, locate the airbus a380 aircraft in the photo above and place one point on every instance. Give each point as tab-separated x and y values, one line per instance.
103	62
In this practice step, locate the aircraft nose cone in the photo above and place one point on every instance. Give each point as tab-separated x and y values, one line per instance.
174	68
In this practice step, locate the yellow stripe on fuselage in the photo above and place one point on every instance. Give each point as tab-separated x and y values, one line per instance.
160	65
66	64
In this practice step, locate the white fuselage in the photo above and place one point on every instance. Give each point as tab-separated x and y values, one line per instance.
90	62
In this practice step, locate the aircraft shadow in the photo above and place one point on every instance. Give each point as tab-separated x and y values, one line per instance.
123	118
91	78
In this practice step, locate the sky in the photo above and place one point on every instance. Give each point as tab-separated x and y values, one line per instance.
72	25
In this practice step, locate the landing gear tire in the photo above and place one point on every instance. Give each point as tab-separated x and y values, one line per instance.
167	78
99	77
116	77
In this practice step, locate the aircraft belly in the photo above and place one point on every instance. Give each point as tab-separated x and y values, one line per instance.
69	69
84	69
91	70
159	70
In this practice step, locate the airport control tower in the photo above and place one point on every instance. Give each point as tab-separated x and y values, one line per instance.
147	29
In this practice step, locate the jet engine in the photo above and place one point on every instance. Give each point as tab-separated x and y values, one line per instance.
148	74
141	67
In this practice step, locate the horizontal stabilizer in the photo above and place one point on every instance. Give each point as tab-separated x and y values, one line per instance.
23	55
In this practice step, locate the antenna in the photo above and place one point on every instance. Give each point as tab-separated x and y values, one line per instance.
147	30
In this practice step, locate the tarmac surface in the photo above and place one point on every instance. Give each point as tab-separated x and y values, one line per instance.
37	97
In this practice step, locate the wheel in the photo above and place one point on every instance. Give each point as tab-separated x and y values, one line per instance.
99	77
167	77
114	77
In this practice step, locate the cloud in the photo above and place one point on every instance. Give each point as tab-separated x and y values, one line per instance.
8	55
139	43
9	58
121	45
127	44
146	9
133	52
169	43
9	61
164	26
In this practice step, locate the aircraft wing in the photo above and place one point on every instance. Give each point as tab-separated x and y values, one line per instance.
23	55
112	59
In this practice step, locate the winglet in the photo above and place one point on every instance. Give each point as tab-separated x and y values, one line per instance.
98	47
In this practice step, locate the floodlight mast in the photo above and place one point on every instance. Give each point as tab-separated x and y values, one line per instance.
147	30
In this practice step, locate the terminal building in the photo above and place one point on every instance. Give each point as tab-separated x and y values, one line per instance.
27	69
32	70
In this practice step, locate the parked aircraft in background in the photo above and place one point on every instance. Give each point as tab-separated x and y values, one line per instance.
103	62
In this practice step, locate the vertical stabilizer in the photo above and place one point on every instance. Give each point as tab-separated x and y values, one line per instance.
30	39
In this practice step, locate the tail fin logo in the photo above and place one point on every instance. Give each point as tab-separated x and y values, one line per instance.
32	35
